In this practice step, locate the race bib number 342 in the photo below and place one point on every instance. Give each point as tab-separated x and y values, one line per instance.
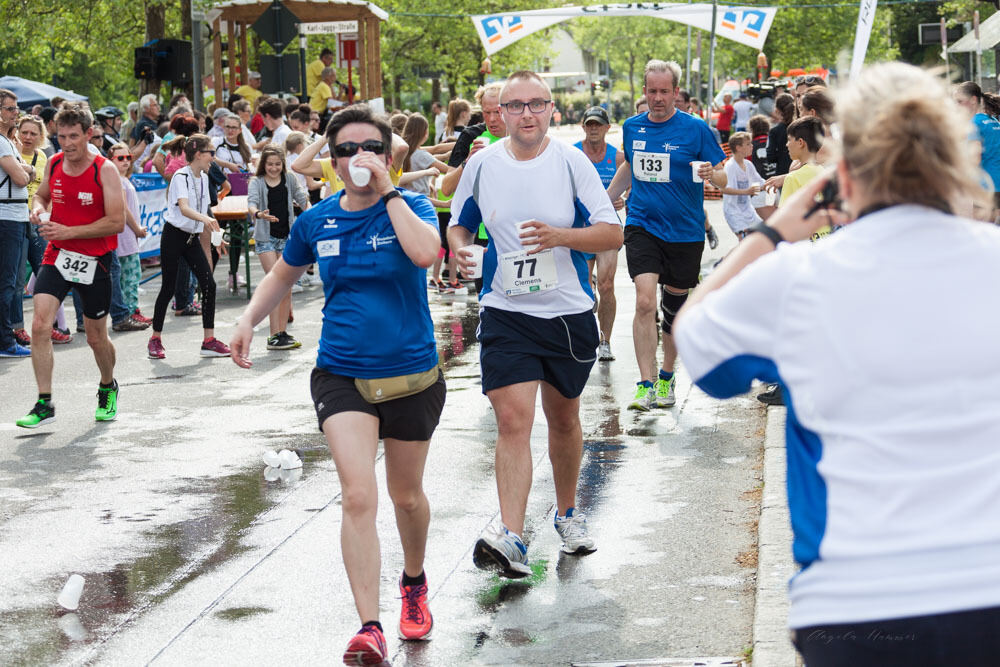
76	268
651	167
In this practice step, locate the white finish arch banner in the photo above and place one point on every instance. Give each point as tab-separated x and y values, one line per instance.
746	25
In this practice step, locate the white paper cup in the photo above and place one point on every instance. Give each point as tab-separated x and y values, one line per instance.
44	217
217	238
759	199
695	166
69	597
289	459
520	230
477	258
360	175
272	459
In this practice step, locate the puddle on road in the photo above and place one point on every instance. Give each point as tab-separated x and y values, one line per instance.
179	553
240	613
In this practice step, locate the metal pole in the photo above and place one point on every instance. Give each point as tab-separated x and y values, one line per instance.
607	72
979	49
302	65
198	57
711	61
687	61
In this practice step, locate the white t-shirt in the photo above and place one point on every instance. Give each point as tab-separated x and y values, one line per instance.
540	189
222	150
421	159
440	121
743	109
184	185
738	209
128	242
895	503
279	135
17	212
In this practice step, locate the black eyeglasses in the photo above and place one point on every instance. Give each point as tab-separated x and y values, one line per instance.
212	153
10	108
350	148
516	107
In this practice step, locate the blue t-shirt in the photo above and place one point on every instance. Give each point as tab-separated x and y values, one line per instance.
606	168
664	200
988	131
376	321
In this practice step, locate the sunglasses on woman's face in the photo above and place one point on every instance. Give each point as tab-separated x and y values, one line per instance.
122	158
350	148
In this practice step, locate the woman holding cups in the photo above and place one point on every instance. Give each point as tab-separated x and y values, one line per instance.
185	218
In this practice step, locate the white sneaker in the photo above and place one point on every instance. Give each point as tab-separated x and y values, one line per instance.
573	531
315	279
503	552
604	351
296	288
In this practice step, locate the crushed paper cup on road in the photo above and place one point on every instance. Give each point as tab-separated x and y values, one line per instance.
477	257
289	459
271	474
69	596
272	459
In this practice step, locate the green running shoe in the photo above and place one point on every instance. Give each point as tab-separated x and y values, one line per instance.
107	403
664	390
644	398
44	412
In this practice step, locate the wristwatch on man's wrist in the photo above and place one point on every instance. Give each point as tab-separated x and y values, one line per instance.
392	194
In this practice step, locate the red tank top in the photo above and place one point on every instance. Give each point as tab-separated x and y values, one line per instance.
77	200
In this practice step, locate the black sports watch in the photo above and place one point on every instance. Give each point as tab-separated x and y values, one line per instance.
392	194
770	232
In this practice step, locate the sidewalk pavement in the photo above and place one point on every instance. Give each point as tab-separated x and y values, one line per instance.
772	646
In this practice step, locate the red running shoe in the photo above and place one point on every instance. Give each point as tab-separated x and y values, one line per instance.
213	347
366	648
139	317
60	337
155	348
22	337
415	620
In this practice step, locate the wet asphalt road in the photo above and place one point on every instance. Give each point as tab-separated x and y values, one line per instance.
191	556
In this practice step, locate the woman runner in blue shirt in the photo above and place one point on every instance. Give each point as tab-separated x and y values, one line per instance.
372	244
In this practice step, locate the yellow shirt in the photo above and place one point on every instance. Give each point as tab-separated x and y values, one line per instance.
39	160
320	94
796	179
250	94
336	184
330	175
314	73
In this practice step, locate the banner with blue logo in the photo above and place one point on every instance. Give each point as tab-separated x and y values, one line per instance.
746	25
152	191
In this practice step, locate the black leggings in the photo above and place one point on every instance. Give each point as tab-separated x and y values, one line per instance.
175	244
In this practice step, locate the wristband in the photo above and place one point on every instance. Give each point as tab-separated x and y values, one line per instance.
392	194
770	232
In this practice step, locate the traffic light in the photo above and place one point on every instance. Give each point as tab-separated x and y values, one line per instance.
593	87
605	84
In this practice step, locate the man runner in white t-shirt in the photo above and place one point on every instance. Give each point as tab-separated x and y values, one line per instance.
544	208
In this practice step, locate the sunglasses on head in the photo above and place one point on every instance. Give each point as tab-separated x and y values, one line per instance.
350	148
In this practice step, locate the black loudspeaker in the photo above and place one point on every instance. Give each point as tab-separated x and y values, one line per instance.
280	74
145	63
173	60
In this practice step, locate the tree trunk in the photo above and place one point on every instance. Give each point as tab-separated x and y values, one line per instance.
435	90
155	20
397	92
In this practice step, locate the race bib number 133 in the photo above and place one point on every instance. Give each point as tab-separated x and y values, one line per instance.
651	167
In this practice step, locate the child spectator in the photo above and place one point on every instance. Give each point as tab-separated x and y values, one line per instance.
743	182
